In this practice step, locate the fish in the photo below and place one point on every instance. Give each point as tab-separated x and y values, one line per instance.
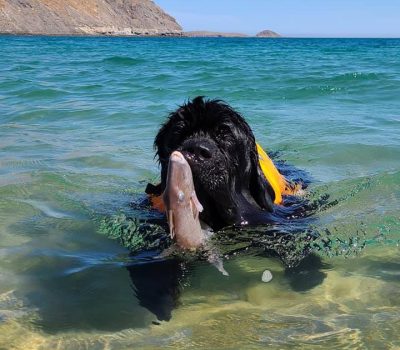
183	208
182	205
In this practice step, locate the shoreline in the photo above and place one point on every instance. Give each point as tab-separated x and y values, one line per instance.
161	36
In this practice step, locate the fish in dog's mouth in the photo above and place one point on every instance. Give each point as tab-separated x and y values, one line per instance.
182	209
181	204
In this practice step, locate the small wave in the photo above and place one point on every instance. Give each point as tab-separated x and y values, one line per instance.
23	163
133	234
357	76
321	200
46	209
97	161
312	91
123	60
22	67
350	215
10	84
321	77
42	93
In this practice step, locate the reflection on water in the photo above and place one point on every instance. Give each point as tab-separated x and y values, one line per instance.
108	297
351	308
78	117
157	285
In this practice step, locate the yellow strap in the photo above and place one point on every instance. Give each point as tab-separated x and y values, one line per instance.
278	182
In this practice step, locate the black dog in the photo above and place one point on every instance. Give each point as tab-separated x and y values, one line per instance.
221	150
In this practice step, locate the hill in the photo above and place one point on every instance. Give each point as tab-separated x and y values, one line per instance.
268	34
86	17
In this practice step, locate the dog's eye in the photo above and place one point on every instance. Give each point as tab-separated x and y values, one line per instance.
224	131
205	153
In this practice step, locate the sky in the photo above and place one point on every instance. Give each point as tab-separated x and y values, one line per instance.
299	18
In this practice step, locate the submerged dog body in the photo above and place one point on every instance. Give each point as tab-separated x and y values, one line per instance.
221	150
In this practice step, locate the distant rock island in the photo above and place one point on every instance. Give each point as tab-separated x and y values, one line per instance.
209	34
86	17
96	17
268	34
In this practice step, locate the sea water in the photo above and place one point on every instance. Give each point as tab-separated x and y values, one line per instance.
78	118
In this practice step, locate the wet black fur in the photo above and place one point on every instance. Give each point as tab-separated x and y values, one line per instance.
228	179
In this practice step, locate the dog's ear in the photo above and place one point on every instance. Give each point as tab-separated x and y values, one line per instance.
260	188
154	189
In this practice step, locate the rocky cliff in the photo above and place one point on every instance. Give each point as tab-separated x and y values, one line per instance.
86	17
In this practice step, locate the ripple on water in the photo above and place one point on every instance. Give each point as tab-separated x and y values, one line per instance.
123	60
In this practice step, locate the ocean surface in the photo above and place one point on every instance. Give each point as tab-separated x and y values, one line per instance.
78	118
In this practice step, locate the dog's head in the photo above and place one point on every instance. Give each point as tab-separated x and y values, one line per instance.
221	150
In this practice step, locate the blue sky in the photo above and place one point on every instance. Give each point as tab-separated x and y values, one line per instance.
323	18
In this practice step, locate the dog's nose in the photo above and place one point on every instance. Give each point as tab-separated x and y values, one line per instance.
200	149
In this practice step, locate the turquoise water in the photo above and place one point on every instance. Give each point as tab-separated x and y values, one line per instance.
77	121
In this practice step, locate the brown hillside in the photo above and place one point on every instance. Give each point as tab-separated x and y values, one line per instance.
97	17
